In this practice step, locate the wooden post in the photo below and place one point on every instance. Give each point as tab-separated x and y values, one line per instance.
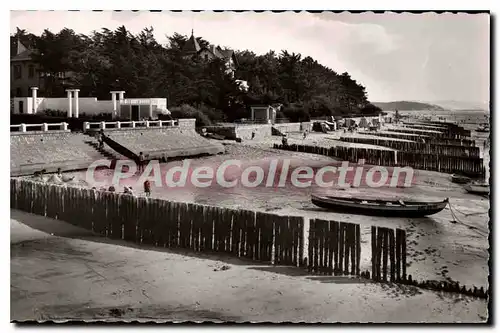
398	255
341	248
374	252
391	253
331	246
310	250
380	247
358	249
403	253
354	247
321	246
335	242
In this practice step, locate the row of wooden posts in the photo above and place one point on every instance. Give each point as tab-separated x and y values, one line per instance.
417	147
450	164
351	154
388	251
456	133
447	132
430	133
472	167
334	247
439	141
254	235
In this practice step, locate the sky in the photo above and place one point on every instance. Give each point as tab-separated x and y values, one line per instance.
418	57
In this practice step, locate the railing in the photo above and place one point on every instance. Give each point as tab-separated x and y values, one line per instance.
45	127
129	124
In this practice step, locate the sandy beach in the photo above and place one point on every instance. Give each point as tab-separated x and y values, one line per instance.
120	281
98	279
440	246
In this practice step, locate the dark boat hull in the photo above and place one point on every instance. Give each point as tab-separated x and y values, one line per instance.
460	180
380	211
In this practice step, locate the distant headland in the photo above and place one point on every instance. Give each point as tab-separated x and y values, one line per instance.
407	106
432	106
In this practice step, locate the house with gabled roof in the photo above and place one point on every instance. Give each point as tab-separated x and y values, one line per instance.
23	72
193	49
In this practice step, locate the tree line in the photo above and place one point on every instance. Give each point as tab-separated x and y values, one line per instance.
119	60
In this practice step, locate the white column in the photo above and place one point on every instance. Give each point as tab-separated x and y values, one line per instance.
64	126
23	127
76	102
70	111
34	97
122	95
253	115
130	111
45	127
113	98
86	126
150	110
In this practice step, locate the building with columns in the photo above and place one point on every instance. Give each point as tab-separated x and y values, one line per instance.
75	106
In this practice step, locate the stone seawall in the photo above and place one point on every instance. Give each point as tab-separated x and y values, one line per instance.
244	132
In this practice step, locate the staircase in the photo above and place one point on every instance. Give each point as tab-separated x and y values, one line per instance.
103	151
106	152
276	132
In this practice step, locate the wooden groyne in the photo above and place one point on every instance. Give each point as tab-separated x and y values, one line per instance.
388	254
351	154
246	234
447	135
428	139
424	148
334	247
431	162
389	264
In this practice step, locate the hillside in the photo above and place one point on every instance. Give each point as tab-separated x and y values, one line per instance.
462	105
407	106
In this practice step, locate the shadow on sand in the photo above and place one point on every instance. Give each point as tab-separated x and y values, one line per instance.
63	229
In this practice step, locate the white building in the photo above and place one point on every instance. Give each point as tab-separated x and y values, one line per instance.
74	105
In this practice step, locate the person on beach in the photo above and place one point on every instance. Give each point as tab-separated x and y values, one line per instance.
305	134
284	140
128	190
147	188
141	162
100	139
253	135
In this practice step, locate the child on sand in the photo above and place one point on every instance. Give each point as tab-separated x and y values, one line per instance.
147	188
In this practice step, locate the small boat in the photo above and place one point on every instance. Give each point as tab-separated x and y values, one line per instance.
483	189
379	207
458	179
483	129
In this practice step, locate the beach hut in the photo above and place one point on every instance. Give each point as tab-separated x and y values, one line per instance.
363	123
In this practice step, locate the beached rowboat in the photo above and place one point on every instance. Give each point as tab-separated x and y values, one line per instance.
379	207
478	188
